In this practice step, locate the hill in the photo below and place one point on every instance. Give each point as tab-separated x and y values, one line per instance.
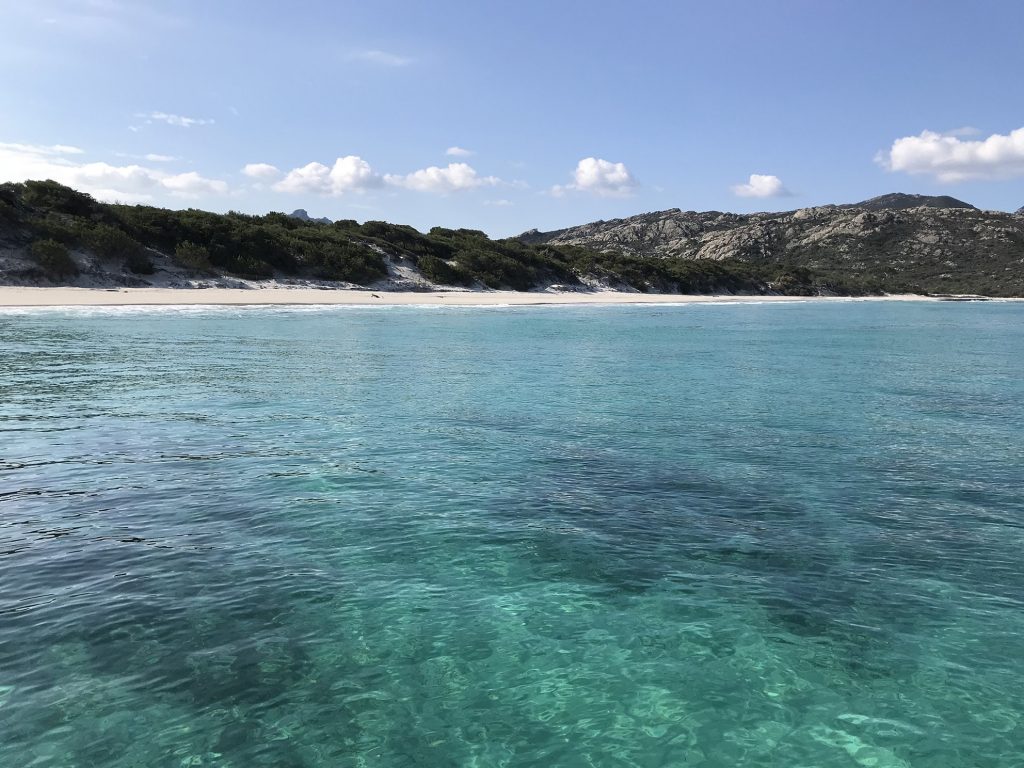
940	246
51	234
302	214
900	201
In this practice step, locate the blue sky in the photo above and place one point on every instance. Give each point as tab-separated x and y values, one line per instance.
508	116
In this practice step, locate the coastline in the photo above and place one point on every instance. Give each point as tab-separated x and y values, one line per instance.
15	296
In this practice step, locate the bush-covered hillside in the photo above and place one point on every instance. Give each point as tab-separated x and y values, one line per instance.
61	235
895	243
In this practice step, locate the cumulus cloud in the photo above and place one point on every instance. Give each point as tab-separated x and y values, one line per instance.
382	58
193	185
459	152
964	131
133	183
456	177
599	177
761	185
261	171
950	158
353	174
348	174
177	120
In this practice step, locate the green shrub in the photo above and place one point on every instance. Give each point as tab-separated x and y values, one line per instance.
346	261
54	258
139	263
112	243
8	206
252	243
193	256
439	271
61	228
252	268
496	270
282	220
406	239
51	196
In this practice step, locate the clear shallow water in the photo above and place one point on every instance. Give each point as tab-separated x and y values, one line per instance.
772	535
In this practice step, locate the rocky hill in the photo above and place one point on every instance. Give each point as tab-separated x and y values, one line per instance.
899	201
925	244
51	234
302	215
54	235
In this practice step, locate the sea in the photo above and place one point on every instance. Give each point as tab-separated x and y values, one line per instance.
752	534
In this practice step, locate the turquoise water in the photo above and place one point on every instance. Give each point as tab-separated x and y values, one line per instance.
755	535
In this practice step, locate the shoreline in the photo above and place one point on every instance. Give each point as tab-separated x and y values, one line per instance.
15	296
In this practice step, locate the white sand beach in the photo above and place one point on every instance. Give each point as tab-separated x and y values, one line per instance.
13	296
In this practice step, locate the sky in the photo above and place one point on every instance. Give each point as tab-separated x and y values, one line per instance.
511	116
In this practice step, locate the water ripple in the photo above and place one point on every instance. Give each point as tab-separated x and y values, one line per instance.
645	536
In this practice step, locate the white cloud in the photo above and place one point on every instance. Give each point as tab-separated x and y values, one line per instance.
761	185
383	58
151	157
964	131
263	171
599	177
40	149
193	185
459	152
353	174
177	120
455	178
129	183
350	173
130	178
499	203
951	159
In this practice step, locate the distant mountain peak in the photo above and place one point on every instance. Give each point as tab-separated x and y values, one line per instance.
301	214
898	201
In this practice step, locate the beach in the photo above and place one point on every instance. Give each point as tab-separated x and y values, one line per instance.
14	296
